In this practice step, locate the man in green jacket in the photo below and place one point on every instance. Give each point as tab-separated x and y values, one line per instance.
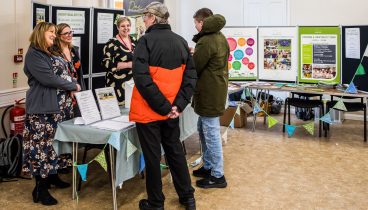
210	57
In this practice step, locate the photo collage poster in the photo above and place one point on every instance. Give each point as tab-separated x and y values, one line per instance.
319	56
243	52
278	54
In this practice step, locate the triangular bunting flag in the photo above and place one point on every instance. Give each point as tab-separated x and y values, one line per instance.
243	96
247	93
360	70
351	88
163	166
130	149
290	129
114	140
83	171
238	110
256	109
224	136
340	106
271	121
309	127
326	118
232	123
142	164
366	51
101	160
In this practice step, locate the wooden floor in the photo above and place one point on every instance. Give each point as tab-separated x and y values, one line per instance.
264	169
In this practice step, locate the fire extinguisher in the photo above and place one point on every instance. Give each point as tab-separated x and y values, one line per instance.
17	117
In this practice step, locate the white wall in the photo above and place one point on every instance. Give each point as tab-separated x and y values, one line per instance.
328	12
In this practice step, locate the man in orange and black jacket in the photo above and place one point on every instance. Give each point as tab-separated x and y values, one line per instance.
165	79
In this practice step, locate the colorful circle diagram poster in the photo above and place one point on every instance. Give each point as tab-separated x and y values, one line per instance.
319	54
242	62
278	54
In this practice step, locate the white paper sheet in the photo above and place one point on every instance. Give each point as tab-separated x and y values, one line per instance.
121	119
87	106
105	24
352	43
111	125
76	19
107	102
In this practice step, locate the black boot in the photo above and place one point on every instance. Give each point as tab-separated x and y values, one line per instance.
41	193
54	179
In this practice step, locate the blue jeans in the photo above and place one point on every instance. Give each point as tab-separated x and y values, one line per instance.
209	134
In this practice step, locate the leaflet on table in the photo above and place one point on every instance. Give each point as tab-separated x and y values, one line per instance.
107	102
123	118
87	107
112	125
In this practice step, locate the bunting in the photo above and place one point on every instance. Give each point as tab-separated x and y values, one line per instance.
114	140
256	108
82	169
224	137
340	106
130	149
142	164
290	129
271	121
360	71
309	127
351	88
326	118
101	160
232	123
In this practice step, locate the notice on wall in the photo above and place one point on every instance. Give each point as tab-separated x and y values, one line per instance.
40	15
105	30
242	63
352	43
76	41
76	19
319	54
278	53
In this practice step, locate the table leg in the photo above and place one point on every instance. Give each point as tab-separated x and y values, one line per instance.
266	109
254	102
112	172
74	173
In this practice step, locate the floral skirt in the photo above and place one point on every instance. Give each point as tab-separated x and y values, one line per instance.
39	156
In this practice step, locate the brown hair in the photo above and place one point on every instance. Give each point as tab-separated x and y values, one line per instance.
37	37
56	48
122	19
202	14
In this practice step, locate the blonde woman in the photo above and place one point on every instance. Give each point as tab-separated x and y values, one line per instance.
117	60
49	87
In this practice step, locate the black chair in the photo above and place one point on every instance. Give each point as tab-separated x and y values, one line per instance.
303	101
350	107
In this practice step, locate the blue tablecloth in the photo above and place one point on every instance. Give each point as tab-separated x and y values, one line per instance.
125	168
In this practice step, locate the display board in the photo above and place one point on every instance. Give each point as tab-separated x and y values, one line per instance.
40	13
278	53
319	54
354	43
103	30
79	21
243	52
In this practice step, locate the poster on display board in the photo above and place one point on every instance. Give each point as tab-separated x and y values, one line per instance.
319	56
242	62
74	18
278	53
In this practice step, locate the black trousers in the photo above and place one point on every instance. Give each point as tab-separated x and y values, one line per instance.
166	132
